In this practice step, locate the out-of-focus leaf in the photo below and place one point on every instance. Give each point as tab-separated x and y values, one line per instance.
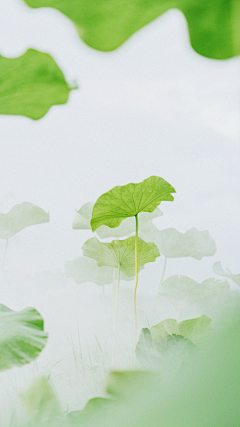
184	288
218	269
196	330
90	410
82	218
20	217
85	269
22	336
120	252
31	84
106	24
173	244
41	403
129	200
165	355
123	383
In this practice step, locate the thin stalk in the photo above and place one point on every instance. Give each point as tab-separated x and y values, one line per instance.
114	275
4	256
115	314
104	312
136	280
163	273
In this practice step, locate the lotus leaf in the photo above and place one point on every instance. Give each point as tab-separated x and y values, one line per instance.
106	24
31	84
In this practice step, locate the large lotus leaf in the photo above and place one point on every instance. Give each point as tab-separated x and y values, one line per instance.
120	252
106	24
31	84
41	403
22	336
173	244
20	217
196	330
218	269
82	218
182	287
165	355
129	200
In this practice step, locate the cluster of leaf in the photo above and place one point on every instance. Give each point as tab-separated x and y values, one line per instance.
204	393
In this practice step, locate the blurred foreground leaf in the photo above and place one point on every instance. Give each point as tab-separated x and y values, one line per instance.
106	24
22	336
120	252
31	84
218	269
20	217
184	288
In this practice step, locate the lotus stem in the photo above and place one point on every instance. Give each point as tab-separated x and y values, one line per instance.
136	280
115	313
163	273
4	255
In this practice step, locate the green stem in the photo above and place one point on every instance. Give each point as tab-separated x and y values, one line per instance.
163	273
115	314
4	256
136	280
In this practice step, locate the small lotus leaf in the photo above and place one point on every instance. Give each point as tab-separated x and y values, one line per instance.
106	24
182	287
20	217
129	200
84	269
166	354
196	330
31	84
22	336
120	252
83	216
218	269
173	244
41	403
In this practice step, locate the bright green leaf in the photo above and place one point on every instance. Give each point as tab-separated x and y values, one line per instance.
196	330
120	252
165	355
20	217
41	403
22	336
218	269
173	244
129	200
31	84
182	287
106	24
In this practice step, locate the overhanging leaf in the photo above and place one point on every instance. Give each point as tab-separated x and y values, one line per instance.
31	84
120	252
20	217
165	355
173	244
22	336
218	269
129	200
106	24
182	287
196	330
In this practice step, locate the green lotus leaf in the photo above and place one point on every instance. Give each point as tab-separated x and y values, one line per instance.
218	269
92	407
173	244
31	84
82	218
84	269
196	330
22	336
120	252
165	355
106	24
124	383
20	217
129	200
41	403
182	287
